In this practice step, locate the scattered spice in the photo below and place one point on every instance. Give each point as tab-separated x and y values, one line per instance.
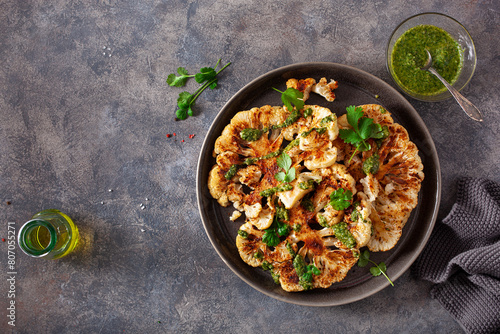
191	136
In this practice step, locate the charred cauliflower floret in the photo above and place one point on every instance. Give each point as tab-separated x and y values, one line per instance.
303	85
217	185
326	89
306	86
303	185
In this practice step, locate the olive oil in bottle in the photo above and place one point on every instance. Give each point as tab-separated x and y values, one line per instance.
50	234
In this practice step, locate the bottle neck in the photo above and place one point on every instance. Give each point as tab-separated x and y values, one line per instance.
37	238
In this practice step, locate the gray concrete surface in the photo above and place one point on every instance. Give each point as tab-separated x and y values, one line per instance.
84	109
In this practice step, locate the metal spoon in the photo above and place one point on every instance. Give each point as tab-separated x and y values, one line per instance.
466	105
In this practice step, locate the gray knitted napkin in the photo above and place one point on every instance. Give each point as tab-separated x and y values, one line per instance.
462	257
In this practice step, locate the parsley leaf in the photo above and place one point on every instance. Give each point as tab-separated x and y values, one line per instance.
292	96
284	161
270	237
340	199
377	269
353	116
363	129
207	76
178	81
283	229
277	229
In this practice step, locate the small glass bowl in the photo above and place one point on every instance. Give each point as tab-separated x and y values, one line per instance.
457	31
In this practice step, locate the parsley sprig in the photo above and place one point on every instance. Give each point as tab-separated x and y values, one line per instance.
285	162
377	269
363	129
207	76
292	96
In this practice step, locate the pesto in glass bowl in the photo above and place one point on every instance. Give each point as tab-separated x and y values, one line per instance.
452	51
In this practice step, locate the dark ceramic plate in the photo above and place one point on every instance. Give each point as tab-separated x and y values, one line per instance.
355	87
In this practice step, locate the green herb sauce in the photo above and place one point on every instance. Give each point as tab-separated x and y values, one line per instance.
231	172
271	191
409	56
250	134
322	221
372	164
345	236
243	234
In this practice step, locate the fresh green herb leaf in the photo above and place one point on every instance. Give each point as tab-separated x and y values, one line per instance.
270	237
377	269
280	176
205	74
353	115
292	96
363	129
181	113
340	199
290	175
283	229
363	259
185	101
277	229
285	162
180	80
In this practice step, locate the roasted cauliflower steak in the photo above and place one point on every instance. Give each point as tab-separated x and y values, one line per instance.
393	189
297	228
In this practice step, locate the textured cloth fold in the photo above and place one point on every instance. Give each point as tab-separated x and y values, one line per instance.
462	257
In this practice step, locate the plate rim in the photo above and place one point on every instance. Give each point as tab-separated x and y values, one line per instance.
435	206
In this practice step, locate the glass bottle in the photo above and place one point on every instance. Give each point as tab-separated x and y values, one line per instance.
50	234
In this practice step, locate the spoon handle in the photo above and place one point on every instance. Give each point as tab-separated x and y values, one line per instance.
466	105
